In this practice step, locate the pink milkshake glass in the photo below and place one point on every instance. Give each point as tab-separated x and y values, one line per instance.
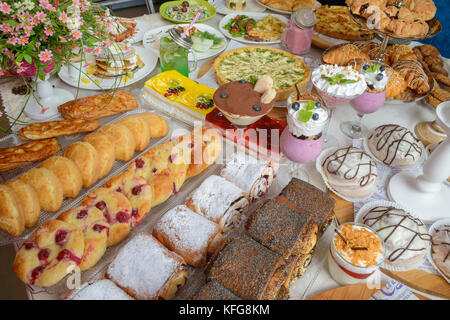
297	36
371	100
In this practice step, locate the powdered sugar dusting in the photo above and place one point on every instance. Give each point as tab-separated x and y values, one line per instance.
188	231
214	197
244	171
143	265
102	290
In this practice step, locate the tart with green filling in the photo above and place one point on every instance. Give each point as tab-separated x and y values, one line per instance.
250	63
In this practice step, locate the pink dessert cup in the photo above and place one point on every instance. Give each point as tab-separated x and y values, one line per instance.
332	101
298	150
369	102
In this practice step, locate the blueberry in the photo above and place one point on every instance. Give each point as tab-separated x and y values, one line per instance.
296	106
318	105
315	116
379	76
256	107
223	95
365	67
382	68
242	81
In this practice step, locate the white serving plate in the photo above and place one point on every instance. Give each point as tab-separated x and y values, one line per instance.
275	10
252	6
255	15
147	56
141	27
151	40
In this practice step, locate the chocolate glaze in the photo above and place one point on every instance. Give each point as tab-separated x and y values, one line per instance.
385	132
387	211
352	172
240	99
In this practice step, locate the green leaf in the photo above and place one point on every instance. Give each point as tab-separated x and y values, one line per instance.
253	79
310	105
305	115
27	58
346	81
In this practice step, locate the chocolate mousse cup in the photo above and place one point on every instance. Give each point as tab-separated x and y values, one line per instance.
240	104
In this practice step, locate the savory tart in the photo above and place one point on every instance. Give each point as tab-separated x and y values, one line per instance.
336	22
250	63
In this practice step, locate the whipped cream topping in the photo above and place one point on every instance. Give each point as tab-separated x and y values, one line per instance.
345	90
313	127
374	81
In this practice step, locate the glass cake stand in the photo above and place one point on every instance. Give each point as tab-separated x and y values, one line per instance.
434	28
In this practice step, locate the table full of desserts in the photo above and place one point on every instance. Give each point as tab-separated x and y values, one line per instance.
211	160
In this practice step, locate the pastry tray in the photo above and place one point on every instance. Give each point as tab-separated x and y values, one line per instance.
70	284
175	127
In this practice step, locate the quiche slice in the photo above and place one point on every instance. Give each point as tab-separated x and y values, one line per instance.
336	22
250	63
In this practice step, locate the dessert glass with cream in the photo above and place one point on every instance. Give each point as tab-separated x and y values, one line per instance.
302	141
376	75
243	103
337	85
355	254
236	5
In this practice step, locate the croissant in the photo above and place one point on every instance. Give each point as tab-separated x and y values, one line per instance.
398	52
414	75
342	55
396	85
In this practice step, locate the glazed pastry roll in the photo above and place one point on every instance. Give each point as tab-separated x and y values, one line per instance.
219	200
101	290
282	229
206	147
192	236
145	269
248	269
214	291
310	200
251	175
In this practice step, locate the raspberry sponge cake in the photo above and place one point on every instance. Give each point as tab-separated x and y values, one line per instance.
50	254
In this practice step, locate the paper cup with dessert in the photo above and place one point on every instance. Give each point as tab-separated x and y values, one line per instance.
405	237
438	254
243	103
355	254
348	172
395	146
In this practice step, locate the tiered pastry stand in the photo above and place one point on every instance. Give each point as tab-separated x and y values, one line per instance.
434	28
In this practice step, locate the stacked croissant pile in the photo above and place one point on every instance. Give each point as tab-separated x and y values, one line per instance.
405	18
409	80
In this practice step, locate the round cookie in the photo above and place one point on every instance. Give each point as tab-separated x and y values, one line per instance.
49	254
395	146
123	140
351	172
95	231
29	200
140	129
86	158
137	190
12	219
67	172
47	186
157	125
106	151
116	209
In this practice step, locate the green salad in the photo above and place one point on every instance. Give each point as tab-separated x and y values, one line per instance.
240	25
186	11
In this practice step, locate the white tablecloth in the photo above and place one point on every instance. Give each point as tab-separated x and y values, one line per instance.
316	279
